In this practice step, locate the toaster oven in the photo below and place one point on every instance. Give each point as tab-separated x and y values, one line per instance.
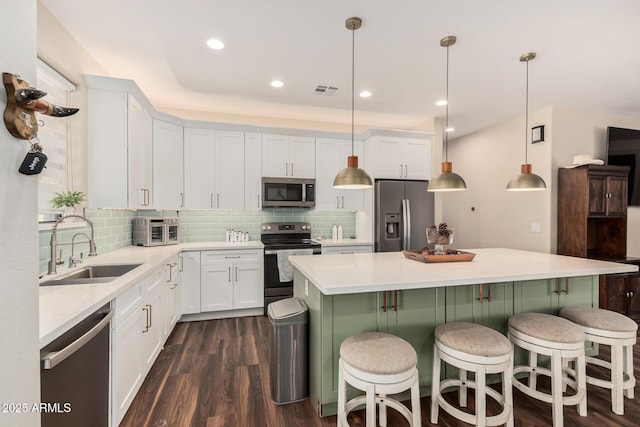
155	231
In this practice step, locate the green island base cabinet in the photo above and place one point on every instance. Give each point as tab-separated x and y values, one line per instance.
413	314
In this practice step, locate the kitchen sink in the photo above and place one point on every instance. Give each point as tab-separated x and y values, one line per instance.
92	274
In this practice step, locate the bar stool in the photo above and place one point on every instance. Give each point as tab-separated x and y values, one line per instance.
378	364
479	349
561	340
617	331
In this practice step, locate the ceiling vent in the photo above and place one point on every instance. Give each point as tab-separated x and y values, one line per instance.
325	90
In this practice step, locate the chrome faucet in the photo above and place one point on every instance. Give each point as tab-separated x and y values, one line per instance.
54	242
73	261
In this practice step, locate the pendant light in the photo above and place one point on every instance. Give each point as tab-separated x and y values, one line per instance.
526	180
447	180
352	177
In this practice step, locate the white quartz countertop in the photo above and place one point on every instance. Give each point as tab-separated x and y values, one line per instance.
62	307
344	242
372	272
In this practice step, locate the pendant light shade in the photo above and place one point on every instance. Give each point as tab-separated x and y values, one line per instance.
352	177
447	180
526	180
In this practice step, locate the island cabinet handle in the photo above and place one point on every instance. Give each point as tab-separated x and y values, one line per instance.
384	301
566	287
395	300
482	297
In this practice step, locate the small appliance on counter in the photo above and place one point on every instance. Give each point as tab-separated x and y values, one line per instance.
154	231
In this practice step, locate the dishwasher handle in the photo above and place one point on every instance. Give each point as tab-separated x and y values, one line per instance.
51	360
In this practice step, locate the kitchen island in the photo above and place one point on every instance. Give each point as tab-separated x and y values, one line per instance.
350	294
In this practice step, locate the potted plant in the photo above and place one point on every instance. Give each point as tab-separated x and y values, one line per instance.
67	199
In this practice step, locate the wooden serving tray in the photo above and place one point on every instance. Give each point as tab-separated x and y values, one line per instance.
452	255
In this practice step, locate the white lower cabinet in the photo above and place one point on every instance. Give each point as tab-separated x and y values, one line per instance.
144	316
346	249
222	280
231	280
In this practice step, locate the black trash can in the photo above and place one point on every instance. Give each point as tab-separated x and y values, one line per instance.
288	350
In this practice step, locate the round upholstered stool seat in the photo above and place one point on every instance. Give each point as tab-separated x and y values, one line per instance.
378	364
564	342
483	351
617	331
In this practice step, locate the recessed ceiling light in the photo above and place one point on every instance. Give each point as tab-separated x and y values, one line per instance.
441	102
277	83
215	44
449	129
365	94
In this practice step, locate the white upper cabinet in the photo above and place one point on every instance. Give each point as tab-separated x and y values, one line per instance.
140	155
119	145
288	156
252	171
402	158
214	169
168	191
331	158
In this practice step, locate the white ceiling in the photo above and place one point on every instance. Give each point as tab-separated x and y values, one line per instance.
588	56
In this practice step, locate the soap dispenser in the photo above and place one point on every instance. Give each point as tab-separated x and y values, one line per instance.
340	232
334	232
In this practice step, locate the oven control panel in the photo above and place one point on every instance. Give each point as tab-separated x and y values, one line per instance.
286	227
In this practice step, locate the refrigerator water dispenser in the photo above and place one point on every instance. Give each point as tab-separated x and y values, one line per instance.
392	226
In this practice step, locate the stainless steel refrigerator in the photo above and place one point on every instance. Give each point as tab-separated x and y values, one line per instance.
404	210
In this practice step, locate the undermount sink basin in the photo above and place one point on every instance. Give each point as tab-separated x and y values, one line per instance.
92	274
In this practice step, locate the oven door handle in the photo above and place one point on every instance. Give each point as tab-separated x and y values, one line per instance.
275	252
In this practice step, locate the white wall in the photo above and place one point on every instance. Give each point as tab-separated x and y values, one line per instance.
486	215
488	158
19	353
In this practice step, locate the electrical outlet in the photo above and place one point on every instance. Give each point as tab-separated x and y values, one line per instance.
535	227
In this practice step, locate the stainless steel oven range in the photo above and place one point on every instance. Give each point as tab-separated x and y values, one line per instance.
282	239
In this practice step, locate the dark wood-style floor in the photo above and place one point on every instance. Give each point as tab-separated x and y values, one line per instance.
216	374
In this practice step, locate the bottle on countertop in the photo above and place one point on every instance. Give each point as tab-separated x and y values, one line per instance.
334	232
340	232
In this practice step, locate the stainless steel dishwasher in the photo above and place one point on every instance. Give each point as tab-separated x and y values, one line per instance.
74	374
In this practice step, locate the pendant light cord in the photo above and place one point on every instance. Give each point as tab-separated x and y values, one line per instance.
526	117
353	79
446	114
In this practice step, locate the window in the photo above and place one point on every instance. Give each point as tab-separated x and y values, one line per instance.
53	133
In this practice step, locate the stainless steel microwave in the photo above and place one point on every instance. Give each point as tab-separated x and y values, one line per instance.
152	231
288	193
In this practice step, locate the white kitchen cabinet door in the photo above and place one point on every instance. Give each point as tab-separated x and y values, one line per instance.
417	159
288	156
216	287
229	170
171	297
252	171
190	282
389	161
140	134
248	287
128	371
331	158
199	169
402	158
302	155
107	149
168	191
154	328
